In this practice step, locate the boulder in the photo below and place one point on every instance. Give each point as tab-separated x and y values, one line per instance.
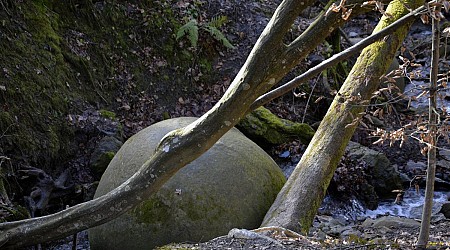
415	168
416	211
384	177
390	222
103	154
445	210
231	185
444	154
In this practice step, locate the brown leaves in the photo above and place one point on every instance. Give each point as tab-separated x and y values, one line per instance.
435	11
390	136
417	129
337	8
378	6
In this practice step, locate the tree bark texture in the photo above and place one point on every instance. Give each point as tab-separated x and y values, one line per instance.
298	201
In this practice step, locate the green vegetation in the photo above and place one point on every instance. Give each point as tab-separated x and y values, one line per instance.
107	114
60	58
191	29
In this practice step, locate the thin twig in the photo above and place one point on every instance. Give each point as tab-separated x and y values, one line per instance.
334	60
307	102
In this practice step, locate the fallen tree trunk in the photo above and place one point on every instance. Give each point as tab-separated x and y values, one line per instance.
298	201
265	128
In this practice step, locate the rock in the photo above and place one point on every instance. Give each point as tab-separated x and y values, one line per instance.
445	209
440	184
416	168
444	164
369	196
445	154
349	230
390	222
265	128
438	218
353	35
384	177
416	212
232	185
332	226
104	153
405	179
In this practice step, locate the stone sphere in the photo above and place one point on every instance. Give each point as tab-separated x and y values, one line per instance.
231	185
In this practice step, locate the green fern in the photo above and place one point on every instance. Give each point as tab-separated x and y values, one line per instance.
191	28
217	21
219	36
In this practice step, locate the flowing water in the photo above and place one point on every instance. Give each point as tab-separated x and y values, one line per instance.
353	209
411	207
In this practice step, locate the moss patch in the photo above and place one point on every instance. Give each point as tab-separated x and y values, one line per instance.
58	58
265	128
107	114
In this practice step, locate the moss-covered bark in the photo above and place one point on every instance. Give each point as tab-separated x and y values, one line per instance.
265	128
299	200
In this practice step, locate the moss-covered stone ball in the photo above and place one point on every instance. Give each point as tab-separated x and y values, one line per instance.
231	185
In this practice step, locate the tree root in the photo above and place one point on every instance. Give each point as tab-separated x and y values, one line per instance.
45	189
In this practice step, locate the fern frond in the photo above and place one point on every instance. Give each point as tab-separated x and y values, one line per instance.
217	21
219	36
191	28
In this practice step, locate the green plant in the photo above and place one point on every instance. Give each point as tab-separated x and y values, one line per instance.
191	29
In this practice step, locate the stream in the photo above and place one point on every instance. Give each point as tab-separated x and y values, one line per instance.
353	210
411	207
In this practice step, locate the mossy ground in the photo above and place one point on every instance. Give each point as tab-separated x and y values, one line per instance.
59	58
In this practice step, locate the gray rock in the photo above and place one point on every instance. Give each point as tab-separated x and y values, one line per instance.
445	154
444	164
445	210
390	222
416	212
416	167
332	226
440	184
104	153
438	218
385	177
232	185
350	230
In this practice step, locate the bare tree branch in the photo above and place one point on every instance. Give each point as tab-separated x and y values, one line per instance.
335	59
432	135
